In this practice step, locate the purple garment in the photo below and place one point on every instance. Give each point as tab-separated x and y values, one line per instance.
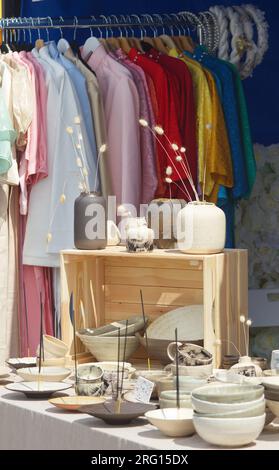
148	147
121	104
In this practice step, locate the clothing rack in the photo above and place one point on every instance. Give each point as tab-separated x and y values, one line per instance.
174	22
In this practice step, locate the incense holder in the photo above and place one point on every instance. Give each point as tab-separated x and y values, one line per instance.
38	389
112	414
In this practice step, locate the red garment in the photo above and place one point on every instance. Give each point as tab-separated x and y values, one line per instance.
180	80
167	119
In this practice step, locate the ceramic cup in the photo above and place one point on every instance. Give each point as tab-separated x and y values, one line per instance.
274	364
167	399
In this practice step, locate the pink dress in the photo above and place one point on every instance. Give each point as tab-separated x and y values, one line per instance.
35	280
121	103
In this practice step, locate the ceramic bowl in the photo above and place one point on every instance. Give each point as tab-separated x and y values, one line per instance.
89	389
229	432
228	393
157	347
271	394
167	399
164	384
54	347
202	372
271	383
53	362
106	348
135	323
48	374
189	354
269	416
188	384
255	410
172	422
273	406
154	375
89	373
202	406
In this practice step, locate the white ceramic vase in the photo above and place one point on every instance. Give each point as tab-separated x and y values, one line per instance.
201	228
246	367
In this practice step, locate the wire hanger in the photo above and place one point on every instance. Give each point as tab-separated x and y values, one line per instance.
40	42
90	45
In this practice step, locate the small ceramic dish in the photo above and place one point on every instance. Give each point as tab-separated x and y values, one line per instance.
189	354
21	362
228	393
38	389
167	399
48	374
75	402
229	432
202	406
172	422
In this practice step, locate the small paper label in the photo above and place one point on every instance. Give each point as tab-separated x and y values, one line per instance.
143	390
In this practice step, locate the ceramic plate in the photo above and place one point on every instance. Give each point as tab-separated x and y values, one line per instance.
188	320
75	402
38	389
108	411
21	362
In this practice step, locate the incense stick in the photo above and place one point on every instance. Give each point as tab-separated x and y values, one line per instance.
177	372
41	339
124	354
145	324
117	382
72	315
26	320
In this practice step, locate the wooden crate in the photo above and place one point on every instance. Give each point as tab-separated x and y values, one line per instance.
106	287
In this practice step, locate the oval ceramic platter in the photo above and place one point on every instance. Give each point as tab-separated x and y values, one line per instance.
38	389
75	402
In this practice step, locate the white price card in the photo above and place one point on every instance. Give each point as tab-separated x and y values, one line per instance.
143	389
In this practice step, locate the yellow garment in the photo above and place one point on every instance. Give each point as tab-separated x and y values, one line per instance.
213	144
219	161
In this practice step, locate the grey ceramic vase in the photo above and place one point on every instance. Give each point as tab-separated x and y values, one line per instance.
90	222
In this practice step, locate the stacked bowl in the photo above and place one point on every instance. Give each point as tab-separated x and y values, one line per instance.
229	415
271	391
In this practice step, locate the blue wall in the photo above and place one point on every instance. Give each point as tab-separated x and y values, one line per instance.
262	90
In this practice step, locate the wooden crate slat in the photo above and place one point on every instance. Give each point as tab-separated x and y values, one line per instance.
153	263
153	277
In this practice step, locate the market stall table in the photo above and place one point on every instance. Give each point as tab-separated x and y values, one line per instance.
34	424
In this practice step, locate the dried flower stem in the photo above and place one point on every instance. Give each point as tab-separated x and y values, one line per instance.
230	342
56	207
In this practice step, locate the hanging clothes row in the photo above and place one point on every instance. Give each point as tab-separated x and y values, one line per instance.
120	108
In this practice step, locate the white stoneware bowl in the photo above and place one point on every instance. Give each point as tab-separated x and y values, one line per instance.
194	371
228	393
167	399
164	384
229	432
273	406
255	410
202	406
48	374
188	384
105	348
172	422
271	383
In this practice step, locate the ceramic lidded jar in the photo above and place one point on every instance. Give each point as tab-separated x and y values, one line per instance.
201	228
90	221
138	236
246	367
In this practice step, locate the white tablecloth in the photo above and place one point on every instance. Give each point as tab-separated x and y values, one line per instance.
34	424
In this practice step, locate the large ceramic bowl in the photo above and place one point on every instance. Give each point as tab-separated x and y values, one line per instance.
106	348
135	323
202	372
48	374
202	406
172	422
255	410
167	399
54	347
228	393
157	348
273	406
229	432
